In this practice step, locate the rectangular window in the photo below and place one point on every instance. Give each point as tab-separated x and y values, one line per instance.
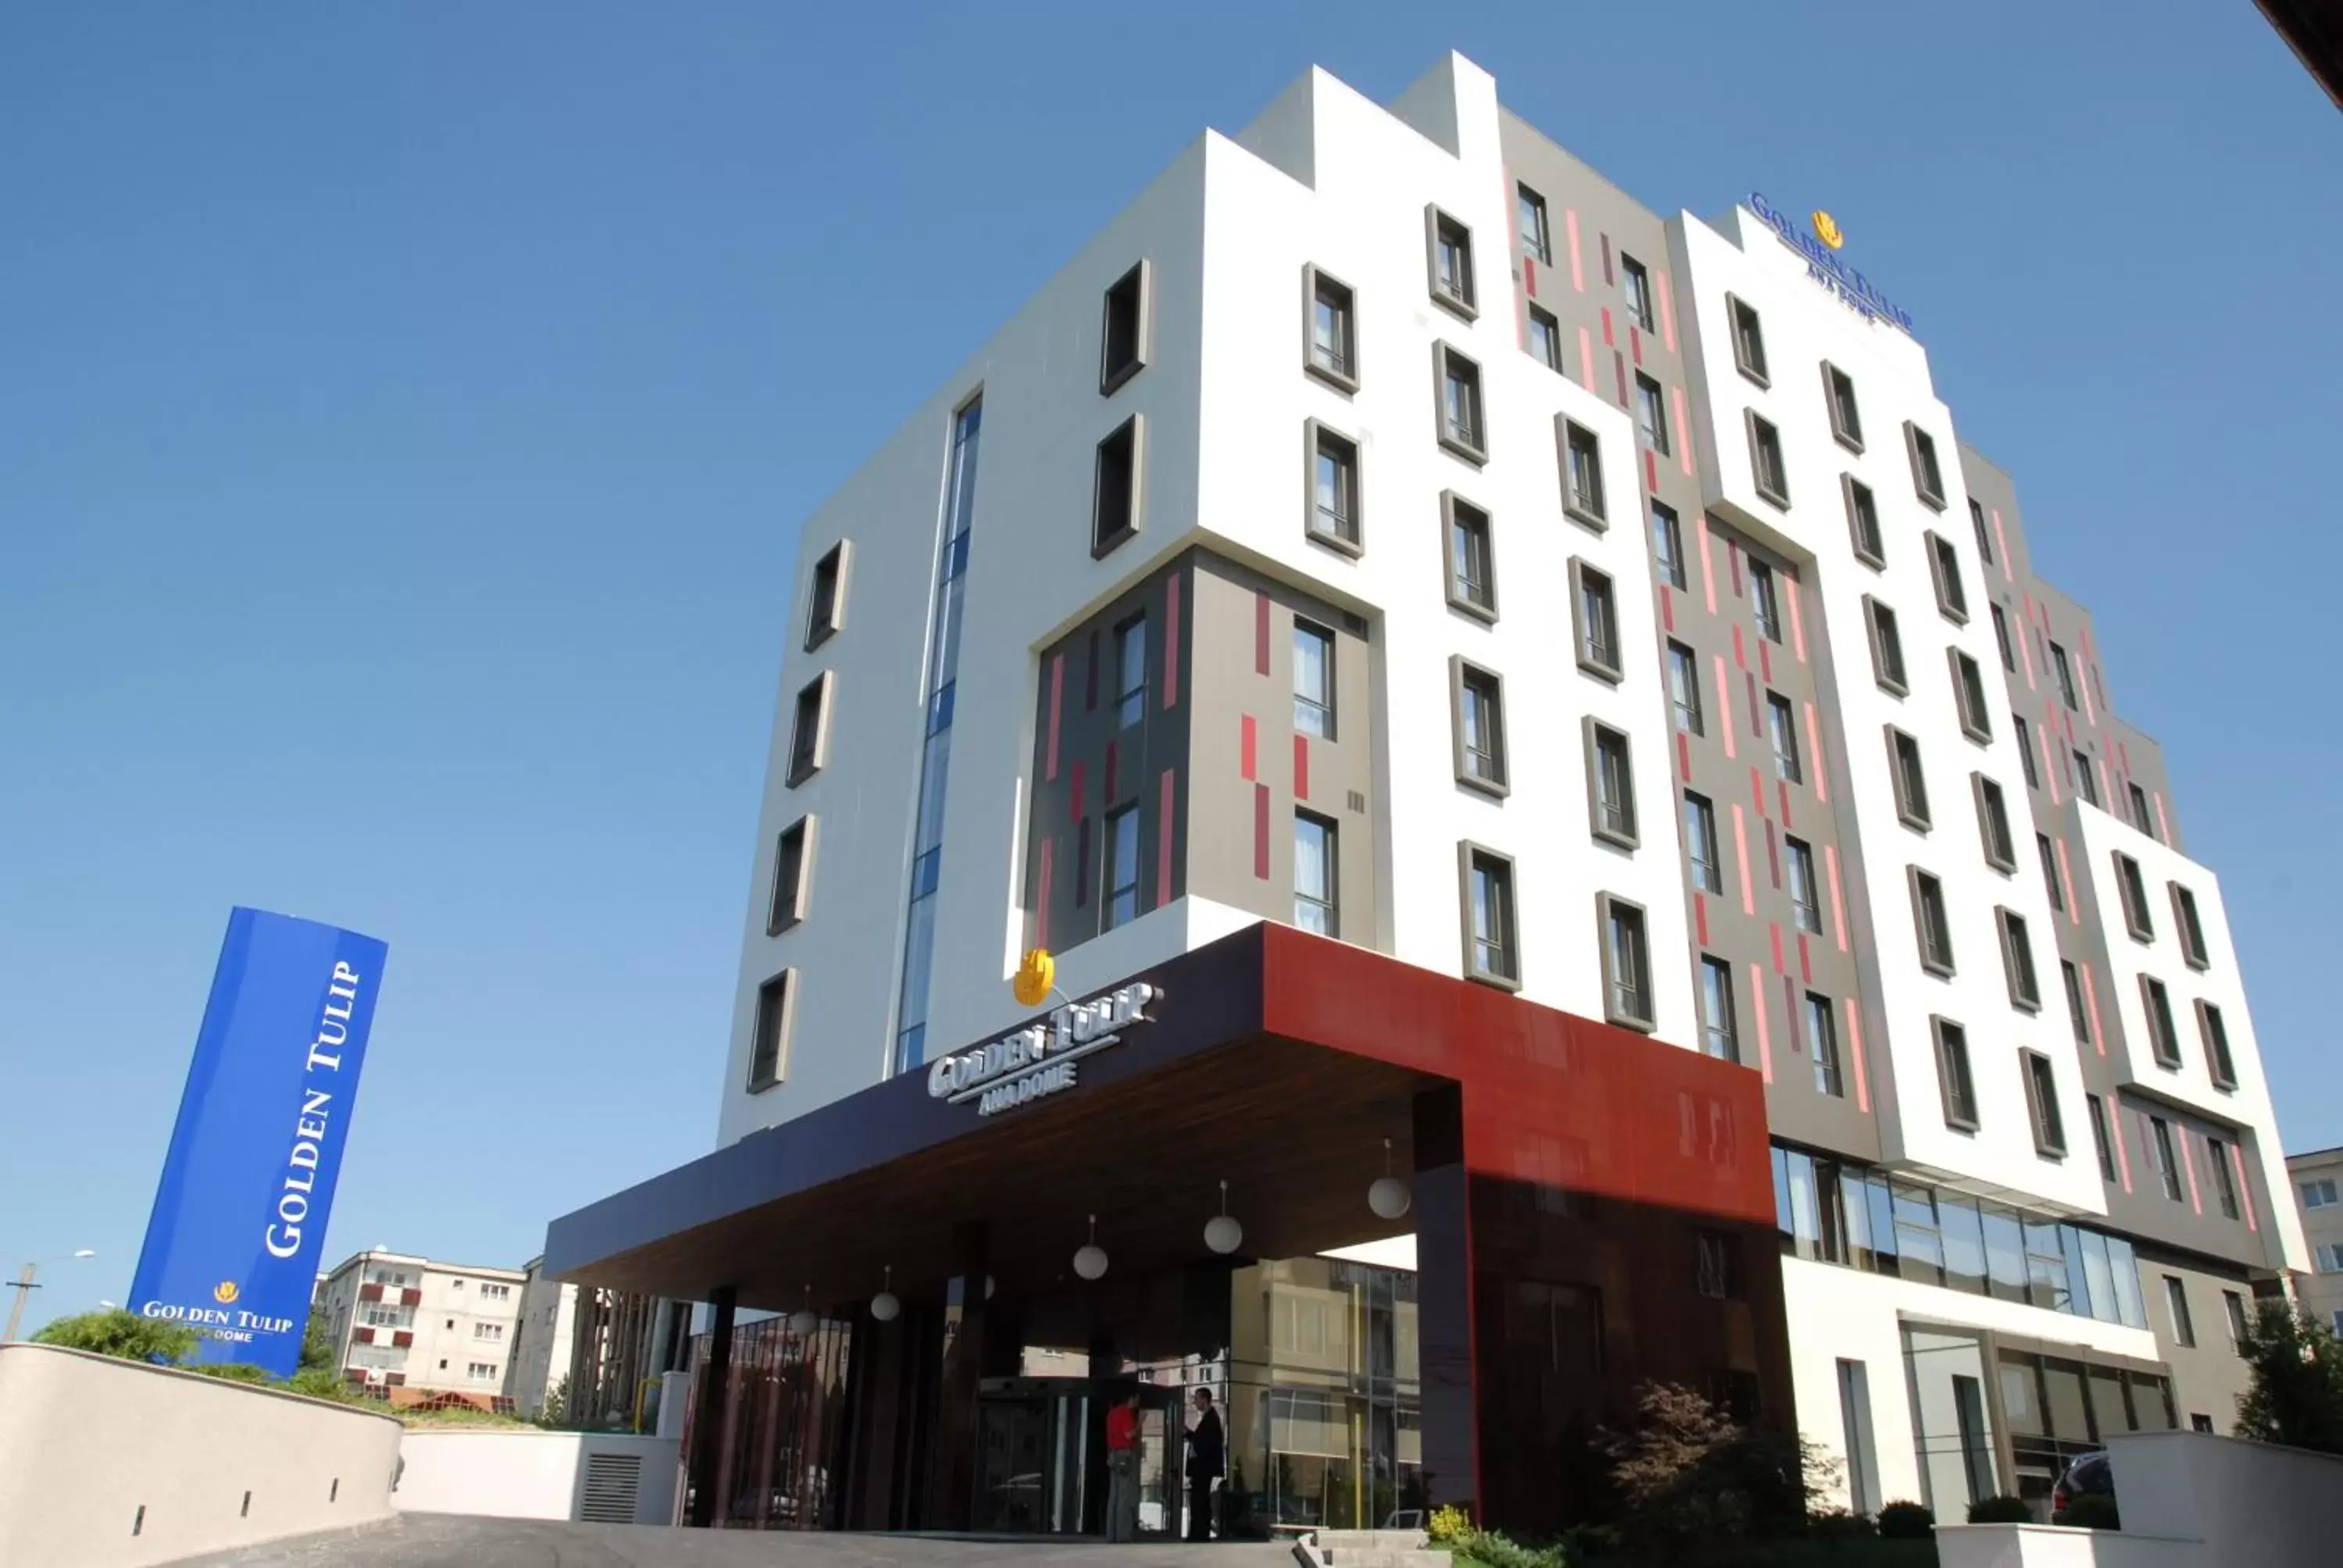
1959	1089
1529	210
1491	953
2137	797
1452	263
1480	705
2017	961
1683	688
2050	883
2163	1039
1782	728
792	863
1130	671
1122	902
768	1040
1626	963
1977	524
809	729
2215	1033
2026	752
1652	414
1720	1034
1471	562
1636	284
2318	1194
2176	1303
1748	340
2087	777
1123	333
1805	896
1545	338
826	611
2099	1144
1582	475
1332	352
1765	466
1596	613
2225	1186
2042	1103
2191	929
2001	637
1992	824
1886	646
2168	1163
1460	430
1845	417
1863	522
2327	1258
1700	843
1667	546
2233	1306
1927	478
2065	674
1313	875
1944	566
2132	891
1968	695
1854	1421
1765	600
1334	514
1313	680
1114	491
1910	780
1612	784
2074	1013
1935	926
1822	1038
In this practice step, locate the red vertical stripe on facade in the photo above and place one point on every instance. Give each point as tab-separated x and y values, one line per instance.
1782	793
1057	703
1529	276
1170	643
1577	266
1163	823
1608	277
1246	738
1610	339
1838	900
1854	1045
1774	856
1619	371
1261	634
1667	315
1586	361
2001	549
1636	345
1764	1031
1110	795
1797	621
1261	831
1667	608
1756	723
1740	855
1651	471
1724	704
1700	916
1765	660
1806	961
2163	826
1301	768
1774	930
1814	755
1756	793
1683	427
2066	885
1790	1013
1074	794
1683	756
2244	1192
2188	1163
1041	898
2091	1007
1740	650
1707	566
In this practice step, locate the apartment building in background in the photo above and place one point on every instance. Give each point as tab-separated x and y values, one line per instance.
408	1327
2318	1190
1387	527
545	1329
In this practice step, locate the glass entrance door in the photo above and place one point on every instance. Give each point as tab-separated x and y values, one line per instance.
1041	1465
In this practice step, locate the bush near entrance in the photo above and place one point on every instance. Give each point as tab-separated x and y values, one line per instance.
2001	1510
2296	1397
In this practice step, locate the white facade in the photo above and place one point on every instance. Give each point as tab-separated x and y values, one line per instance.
542	1337
398	1321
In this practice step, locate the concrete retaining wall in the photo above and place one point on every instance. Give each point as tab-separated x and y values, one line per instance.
513	1474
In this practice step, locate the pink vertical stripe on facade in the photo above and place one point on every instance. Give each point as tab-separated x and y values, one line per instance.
1782	791
2091	708
2245	1194
1636	345
1057	703
2025	639
1700	916
1740	650
1163	820
2067	886
2123	1155
1855	1043
1610	333
2049	774
1764	1042
1723	706
1261	831
1707	566
2188	1163
1074	794
2163	827
1838	900
1585	360
1756	793
1806	961
1247	738
1797	622
1529	276
1667	315
1765	660
1814	751
1667	607
1683	756
2091	1011
1683	427
1301	768
1651	471
1774	929
1741	853
1261	634
1171	642
1041	899
1570	230
2001	549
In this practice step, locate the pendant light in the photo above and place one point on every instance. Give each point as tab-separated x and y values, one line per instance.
1389	1196
805	1320
1089	1257
1222	1235
884	1306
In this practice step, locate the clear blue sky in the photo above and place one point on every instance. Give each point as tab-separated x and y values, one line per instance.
406	412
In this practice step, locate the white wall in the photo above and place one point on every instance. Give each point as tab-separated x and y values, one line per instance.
87	1441
509	1474
2249	1502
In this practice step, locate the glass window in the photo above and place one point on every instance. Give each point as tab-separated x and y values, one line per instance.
1667	546
1313	680
1993	825
1121	867
1783	733
1769	475
1822	1038
2216	1035
1314	874
1911	780
2233	1307
1953	1072
1335	493
822	617
1583	454
1122	355
2191	926
1652	414
2017	963
2005	1252
2134	892
1615	787
1748	339
2167	1162
1886	646
1806	899
1460	401
1332	330
1936	926
1720	1036
1130	671
1483	727
1529	210
1700	843
1491	884
1917	1242
2001	638
1114	502
1451	262
1863	522
1964	1233
1628	959
1471	577
2225	1186
1845	415
1927	477
1683	688
1545	338
1952	598
2050	883
2087	777
2176	1307
1765	600
2099	1142
2065	674
2042	1100
1638	284
2163	1039
2026	752
1598	622
1968	693
2319	1193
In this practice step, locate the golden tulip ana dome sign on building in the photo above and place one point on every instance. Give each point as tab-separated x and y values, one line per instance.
1042	1058
1819	249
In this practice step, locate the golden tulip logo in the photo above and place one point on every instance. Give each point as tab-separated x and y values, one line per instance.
1826	229
226	1292
1035	977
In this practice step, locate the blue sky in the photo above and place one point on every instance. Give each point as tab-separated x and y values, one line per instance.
406	412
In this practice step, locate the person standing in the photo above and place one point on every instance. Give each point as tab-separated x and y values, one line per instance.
1207	1457
1122	1469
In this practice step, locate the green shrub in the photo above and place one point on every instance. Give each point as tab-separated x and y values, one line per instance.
1906	1522
1449	1523
1838	1525
116	1332
1491	1550
2092	1511
2001	1510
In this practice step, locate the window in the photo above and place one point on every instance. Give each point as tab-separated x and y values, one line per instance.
2042	1104
2233	1307
809	729
1701	845
2051	883
2133	893
2318	1194
1491	953
487	1330
2001	637
768	1040
1114	492
1748	340
1460	430
1652	414
1944	565
2075	1011
1716	1271
1822	1038
1910	780
1784	732
2191	929
2225	1186
1479	698
1886	646
1968	695
1334	518
826	612
1452	263
793	861
2137	797
2017	961
1471	568
1332	351
1545	338
1992	824
1767	469
1636	284
2087	777
2327	1258
1683	688
1855	1420
1313	680
2219	1062
2168	1165
1313	875
1934	928
1805	899
1597	612
1626	963
1123	352
1122	902
1529	210
2099	1145
1765	600
1845	418
2176	1303
1132	671
481	1371
2026	752
1582	475
2065	674
1720	1035
1667	546
1927	478
1862	521
495	1293
1953	1081
2162	1038
1984	540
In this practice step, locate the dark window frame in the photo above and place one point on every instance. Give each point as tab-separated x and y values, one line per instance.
1907	771
1316	280
810	726
1955	1080
1936	933
826	595
2017	961
2041	1081
1588	503
1765	440
1349	535
1451	363
792	893
1119	487
1995	838
770	1030
1625	832
1746	329
1845	411
1464	675
1499	866
1886	636
1464	298
1862	529
1927	469
1945	571
1136	287
1595	598
1460	515
1969	698
1638	1011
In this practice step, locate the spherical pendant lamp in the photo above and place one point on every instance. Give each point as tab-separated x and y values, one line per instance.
1389	1196
805	1320
884	1306
1222	1235
1089	1257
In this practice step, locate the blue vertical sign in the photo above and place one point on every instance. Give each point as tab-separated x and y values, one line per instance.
232	1247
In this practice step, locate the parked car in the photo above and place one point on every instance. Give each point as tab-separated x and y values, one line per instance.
2090	1473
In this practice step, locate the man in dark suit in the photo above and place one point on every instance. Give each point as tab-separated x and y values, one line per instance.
1207	1458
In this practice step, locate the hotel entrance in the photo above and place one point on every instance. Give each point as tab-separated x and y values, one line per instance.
1041	1463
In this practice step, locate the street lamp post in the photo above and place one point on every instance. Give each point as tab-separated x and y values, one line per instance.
25	1285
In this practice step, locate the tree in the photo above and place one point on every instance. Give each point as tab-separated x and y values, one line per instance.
2296	1397
125	1334
317	1348
1690	1474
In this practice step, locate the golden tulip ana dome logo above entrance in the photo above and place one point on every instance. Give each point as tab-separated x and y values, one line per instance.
1820	251
1826	229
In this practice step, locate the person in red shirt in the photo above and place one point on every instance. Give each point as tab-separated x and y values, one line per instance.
1122	1469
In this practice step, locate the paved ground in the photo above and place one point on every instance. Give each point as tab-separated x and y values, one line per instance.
449	1540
